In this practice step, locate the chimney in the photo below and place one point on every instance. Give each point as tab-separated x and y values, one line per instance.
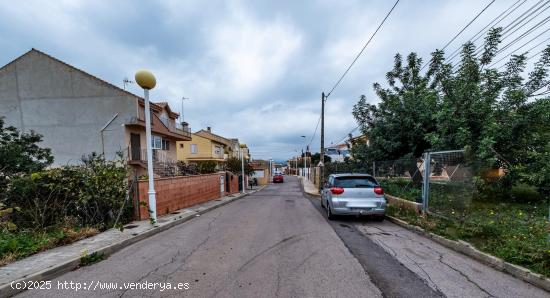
209	129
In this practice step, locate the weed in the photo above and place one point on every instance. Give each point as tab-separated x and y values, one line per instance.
89	259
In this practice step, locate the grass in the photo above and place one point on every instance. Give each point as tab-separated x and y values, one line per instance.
23	243
89	259
515	232
402	188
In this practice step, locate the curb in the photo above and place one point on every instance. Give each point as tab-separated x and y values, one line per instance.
6	290
317	194
469	250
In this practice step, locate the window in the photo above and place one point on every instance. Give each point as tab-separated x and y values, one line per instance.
194	149
217	150
181	146
159	143
156	142
165	144
355	182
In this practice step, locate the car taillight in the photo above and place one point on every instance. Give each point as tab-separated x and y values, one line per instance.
378	190
337	190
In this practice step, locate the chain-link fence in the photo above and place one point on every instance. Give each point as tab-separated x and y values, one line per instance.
449	186
461	199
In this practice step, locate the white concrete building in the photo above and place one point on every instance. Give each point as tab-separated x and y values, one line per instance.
77	113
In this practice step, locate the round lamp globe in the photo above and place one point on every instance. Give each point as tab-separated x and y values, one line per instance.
145	79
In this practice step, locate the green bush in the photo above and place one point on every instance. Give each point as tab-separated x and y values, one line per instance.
401	188
94	193
207	166
525	194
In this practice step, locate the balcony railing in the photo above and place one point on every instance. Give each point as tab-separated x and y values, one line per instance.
172	126
140	154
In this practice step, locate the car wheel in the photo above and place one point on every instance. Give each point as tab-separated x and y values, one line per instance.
379	218
330	216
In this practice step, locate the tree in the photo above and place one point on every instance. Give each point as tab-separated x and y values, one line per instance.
497	115
397	125
20	154
315	158
234	165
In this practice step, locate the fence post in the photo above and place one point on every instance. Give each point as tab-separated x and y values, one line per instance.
426	184
374	169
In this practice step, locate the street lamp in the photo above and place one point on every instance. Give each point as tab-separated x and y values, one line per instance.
242	169
147	81
296	161
304	157
182	99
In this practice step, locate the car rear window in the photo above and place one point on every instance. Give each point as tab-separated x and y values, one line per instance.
355	182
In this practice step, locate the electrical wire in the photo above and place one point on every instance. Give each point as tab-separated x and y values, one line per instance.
315	132
523	35
479	34
362	50
460	32
517	49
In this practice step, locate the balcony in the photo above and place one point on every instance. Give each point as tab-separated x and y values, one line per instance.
165	126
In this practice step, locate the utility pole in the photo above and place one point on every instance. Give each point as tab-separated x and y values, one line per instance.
322	157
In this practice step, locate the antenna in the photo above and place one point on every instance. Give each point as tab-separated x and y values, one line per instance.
126	81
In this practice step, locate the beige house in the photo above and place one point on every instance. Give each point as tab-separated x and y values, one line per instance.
206	146
78	113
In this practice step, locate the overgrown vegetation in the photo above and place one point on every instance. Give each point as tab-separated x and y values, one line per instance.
515	232
207	167
500	117
89	259
234	165
42	208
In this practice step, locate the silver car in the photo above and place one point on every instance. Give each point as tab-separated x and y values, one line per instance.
353	194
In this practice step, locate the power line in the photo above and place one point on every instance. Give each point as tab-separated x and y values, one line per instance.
351	132
362	50
315	132
520	20
479	34
527	59
517	49
520	37
538	25
468	25
460	32
513	24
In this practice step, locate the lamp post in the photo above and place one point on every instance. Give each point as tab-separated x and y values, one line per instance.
182	99
147	81
296	162
242	169
304	157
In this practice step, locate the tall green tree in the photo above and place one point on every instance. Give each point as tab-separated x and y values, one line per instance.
396	126
234	165
20	154
497	115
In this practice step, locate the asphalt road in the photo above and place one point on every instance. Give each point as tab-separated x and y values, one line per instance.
278	243
397	260
270	244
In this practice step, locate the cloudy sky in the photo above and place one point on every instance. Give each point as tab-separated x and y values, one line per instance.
253	70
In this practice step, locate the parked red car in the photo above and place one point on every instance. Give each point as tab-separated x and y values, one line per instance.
278	178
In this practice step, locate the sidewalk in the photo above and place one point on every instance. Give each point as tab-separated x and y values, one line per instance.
54	262
309	187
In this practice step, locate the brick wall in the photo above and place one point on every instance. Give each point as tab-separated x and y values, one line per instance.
173	193
233	183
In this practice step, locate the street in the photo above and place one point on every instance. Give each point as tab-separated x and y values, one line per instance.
276	243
